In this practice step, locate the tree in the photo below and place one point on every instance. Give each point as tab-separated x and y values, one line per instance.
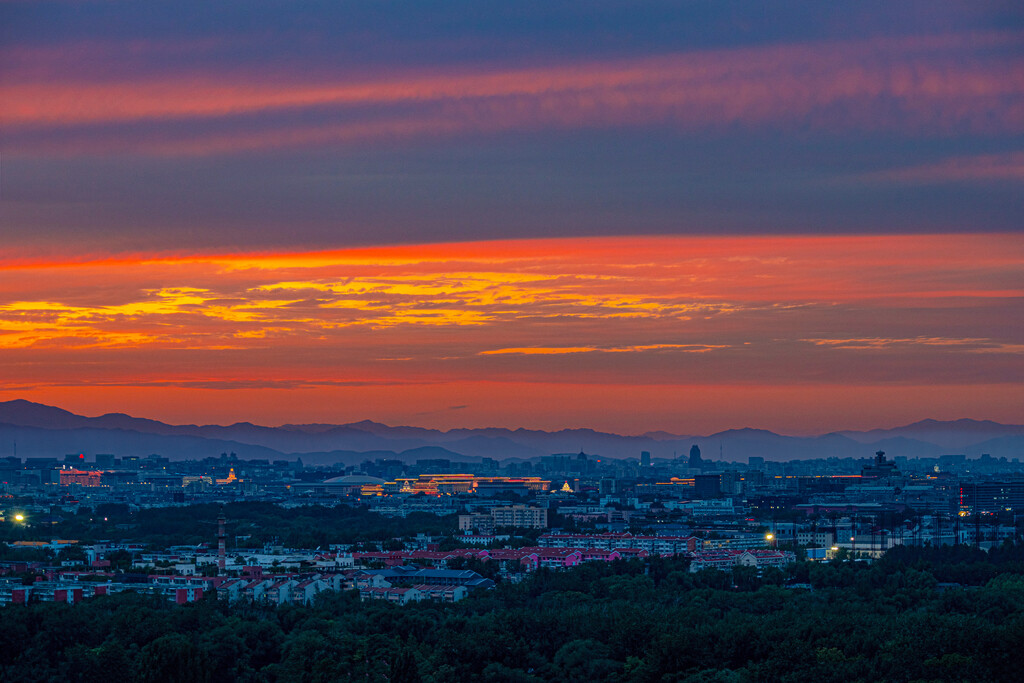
584	661
172	657
120	559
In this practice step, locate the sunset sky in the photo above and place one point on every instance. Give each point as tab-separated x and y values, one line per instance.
681	216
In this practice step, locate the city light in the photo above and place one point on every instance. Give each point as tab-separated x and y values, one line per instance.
19	518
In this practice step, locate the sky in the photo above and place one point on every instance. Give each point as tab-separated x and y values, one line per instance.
679	216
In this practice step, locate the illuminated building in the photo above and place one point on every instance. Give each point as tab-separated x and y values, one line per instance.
454	484
81	477
231	478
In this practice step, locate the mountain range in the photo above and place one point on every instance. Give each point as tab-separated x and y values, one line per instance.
38	430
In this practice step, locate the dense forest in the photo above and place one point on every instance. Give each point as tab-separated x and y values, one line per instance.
893	620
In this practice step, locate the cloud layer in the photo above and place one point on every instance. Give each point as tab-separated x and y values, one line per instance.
343	124
666	312
542	211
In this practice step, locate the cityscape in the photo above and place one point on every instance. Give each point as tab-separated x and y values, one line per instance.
387	341
409	530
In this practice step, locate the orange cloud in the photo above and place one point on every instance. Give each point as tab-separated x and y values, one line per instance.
890	311
972	345
556	350
657	286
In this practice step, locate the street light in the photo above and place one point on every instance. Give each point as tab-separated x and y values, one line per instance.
19	518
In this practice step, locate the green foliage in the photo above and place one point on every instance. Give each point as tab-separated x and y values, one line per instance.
648	622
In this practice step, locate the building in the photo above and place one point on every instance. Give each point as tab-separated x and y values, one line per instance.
727	559
707	485
416	576
299	592
880	468
104	460
81	477
399	596
520	516
442	593
991	496
695	462
659	545
479	523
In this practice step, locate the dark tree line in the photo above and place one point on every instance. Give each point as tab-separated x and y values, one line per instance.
622	621
301	527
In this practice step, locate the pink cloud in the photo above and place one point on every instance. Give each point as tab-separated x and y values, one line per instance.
934	85
1006	166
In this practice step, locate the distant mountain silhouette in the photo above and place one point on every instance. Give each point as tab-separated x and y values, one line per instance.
431	453
38	442
746	433
955	434
47	431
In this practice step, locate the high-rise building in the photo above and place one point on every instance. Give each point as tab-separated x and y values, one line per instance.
707	486
481	523
105	460
645	459
991	496
520	516
696	462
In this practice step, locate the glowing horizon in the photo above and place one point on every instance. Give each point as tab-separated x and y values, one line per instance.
417	327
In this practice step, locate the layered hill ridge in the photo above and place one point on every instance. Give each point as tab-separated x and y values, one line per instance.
41	430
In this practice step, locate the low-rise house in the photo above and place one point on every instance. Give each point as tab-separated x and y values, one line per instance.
415	575
400	596
558	558
660	545
254	591
442	593
232	590
365	579
280	591
14	592
726	559
304	592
